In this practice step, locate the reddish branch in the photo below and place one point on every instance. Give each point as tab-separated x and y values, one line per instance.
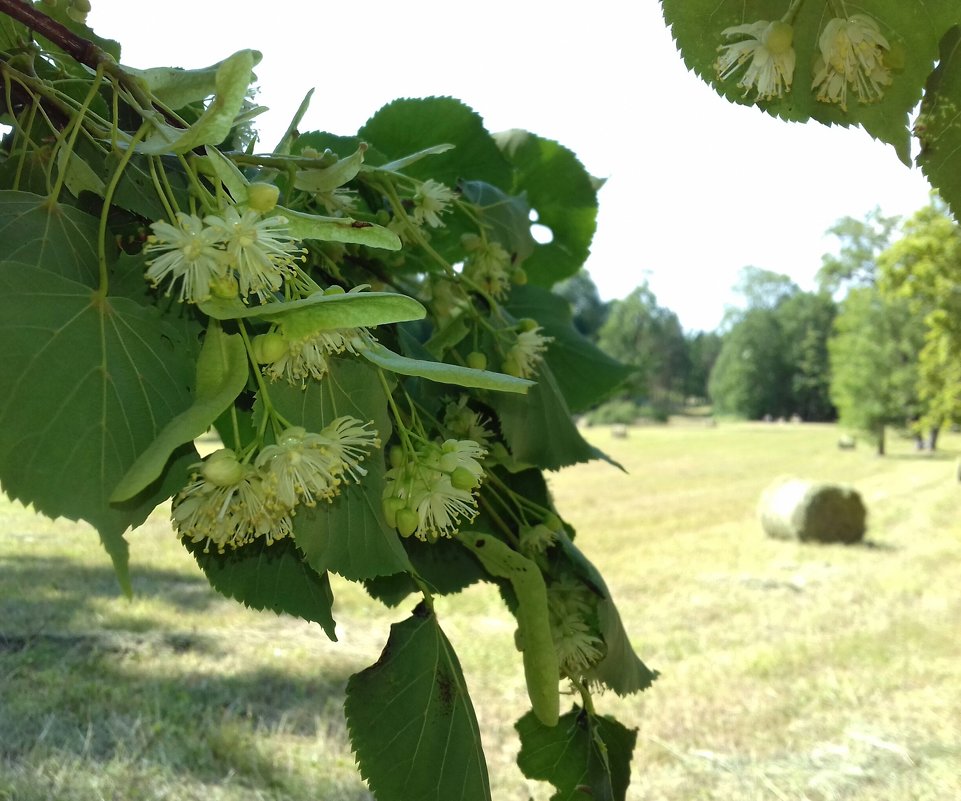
78	48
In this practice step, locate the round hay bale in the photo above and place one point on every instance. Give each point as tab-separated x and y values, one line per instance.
808	511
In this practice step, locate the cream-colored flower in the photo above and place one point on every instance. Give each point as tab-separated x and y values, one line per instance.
431	199
768	48
430	493
260	251
306	467
464	423
572	609
526	353
487	265
307	357
189	253
852	55
228	504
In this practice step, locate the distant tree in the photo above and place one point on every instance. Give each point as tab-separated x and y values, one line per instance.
588	310
641	333
764	289
874	355
806	319
861	242
751	377
703	348
924	268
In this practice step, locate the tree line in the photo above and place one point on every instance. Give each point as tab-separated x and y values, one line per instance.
876	345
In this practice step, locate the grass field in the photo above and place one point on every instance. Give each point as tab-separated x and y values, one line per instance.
788	671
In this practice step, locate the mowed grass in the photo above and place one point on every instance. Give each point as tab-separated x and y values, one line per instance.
789	671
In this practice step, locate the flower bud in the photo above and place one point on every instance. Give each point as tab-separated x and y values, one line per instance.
476	360
262	196
463	479
268	348
222	468
407	521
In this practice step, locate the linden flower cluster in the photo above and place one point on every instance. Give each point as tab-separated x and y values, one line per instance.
296	360
428	492
230	503
487	265
571	607
767	47
221	255
852	55
431	199
527	352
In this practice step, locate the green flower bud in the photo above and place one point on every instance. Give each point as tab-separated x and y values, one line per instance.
268	348
463	479
335	289
396	456
553	522
262	196
392	506
407	521
527	324
225	287
511	367
222	468
519	276
476	360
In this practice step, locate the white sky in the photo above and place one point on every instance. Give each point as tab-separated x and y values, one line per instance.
697	187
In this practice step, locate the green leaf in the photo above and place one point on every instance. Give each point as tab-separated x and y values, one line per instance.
233	76
273	577
348	536
89	382
538	426
912	29
411	125
936	126
79	176
12	33
570	356
323	312
222	373
444	373
620	669
562	193
136	191
506	217
586	757
36	231
411	722
339	229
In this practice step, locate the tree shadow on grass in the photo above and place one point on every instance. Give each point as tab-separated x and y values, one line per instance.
107	710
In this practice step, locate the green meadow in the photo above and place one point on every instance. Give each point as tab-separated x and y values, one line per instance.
789	671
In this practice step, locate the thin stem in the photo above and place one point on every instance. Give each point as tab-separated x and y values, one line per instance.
159	188
105	211
792	11
400	428
71	132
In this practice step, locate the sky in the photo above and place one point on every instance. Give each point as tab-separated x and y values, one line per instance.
697	188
